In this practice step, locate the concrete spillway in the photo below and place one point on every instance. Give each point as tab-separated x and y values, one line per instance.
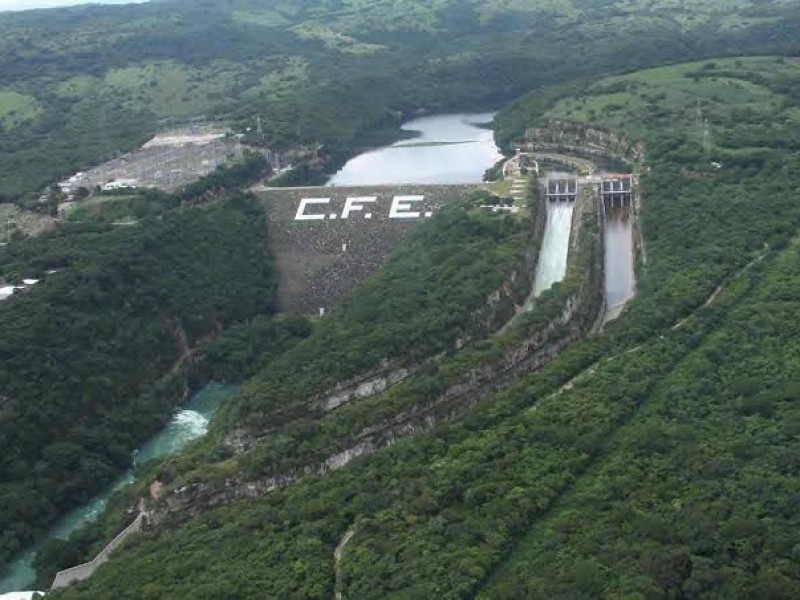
552	264
620	284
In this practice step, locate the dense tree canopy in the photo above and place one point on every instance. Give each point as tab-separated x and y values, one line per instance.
654	460
663	470
86	83
85	354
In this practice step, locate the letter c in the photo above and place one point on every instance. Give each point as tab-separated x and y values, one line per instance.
301	210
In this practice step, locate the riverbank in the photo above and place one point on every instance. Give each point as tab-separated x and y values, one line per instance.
186	425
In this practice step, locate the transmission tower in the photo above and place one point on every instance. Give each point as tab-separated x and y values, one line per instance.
702	125
698	117
104	131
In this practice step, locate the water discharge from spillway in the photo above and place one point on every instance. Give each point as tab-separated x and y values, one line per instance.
552	265
620	282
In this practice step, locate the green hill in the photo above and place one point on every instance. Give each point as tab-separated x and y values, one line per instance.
664	469
85	83
656	459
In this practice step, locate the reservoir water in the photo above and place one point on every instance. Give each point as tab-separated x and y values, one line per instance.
451	148
12	5
185	426
620	284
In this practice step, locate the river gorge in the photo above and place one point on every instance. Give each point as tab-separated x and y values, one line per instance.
188	424
447	149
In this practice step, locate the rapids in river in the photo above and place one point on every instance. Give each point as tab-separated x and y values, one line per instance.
185	426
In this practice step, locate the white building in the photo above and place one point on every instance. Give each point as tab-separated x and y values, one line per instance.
121	184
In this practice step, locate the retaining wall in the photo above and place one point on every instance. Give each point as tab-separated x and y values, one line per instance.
84	571
584	140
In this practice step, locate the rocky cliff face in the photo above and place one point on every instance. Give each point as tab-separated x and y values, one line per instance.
580	138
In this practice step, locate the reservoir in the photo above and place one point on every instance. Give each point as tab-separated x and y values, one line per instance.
452	148
620	279
185	426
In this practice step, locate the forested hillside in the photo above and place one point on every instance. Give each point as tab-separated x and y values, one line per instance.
426	439
431	293
81	84
91	357
664	468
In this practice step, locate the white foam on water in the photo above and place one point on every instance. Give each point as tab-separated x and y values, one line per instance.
552	265
185	426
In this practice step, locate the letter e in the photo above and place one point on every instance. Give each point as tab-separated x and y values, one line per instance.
401	207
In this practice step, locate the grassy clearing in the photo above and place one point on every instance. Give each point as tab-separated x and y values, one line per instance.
500	188
720	87
13	219
16	108
562	10
167	89
173	90
611	109
281	81
78	86
265	18
334	40
691	13
358	15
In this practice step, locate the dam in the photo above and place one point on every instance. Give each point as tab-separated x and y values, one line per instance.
326	239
